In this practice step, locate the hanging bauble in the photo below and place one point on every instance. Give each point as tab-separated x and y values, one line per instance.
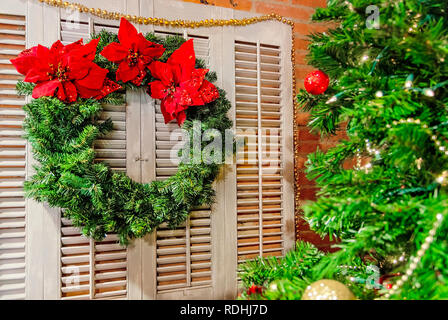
327	290
316	82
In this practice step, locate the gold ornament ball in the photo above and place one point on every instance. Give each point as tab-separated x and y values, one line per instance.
327	290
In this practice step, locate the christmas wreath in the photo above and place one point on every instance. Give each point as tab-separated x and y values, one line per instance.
70	83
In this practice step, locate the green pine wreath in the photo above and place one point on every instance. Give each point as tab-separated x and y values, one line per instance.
95	198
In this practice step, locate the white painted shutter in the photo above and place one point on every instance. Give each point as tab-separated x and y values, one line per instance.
260	186
183	254
259	168
254	211
92	269
12	157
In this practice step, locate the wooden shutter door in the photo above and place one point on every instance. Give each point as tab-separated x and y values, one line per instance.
95	269
254	213
184	254
260	185
12	155
180	263
78	267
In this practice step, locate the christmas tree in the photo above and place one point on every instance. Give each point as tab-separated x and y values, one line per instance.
383	191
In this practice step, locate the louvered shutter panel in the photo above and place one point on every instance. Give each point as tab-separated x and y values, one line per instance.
12	158
259	167
92	269
183	254
262	187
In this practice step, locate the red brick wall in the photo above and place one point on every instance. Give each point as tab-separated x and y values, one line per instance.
300	12
308	143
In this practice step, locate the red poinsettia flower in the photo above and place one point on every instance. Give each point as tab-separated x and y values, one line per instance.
180	85
134	53
65	71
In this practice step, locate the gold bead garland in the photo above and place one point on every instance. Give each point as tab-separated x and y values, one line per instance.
105	14
417	259
441	179
443	149
439	217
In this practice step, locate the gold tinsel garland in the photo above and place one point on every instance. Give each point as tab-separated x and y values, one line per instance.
179	23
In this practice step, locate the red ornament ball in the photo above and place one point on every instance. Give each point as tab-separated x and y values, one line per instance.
316	82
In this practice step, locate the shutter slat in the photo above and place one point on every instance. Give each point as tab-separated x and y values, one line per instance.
74	240
17	296
73	269
113	115
75	259
101	285
110	144
201	257
13	277
110	256
110	275
200	231
10	256
170	233
167	251
167	260
70	231
170	242
4	101
11	287
171	277
171	286
10	246
75	279
201	248
110	266
175	268
12	266
13	224
12	235
201	274
110	294
75	249
197	283
77	297
75	288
